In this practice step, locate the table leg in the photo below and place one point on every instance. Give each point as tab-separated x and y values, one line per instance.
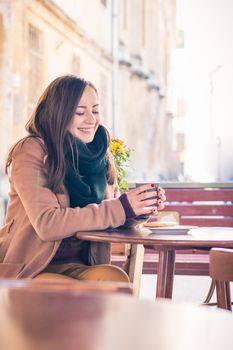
166	270
210	292
136	266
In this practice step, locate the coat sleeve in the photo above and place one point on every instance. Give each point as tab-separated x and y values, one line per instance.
49	219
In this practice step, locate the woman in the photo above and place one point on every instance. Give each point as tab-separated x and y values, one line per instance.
63	181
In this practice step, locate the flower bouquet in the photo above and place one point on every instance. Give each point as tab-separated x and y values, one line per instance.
121	153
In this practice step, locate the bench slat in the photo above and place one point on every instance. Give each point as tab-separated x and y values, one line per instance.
190	195
207	222
193	209
186	264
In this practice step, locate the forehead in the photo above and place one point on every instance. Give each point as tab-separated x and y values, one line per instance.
89	97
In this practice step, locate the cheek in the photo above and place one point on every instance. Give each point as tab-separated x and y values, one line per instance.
76	121
71	126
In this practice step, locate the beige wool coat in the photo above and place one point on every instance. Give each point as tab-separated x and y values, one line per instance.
38	219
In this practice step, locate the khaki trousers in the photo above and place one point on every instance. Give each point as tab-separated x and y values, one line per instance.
103	272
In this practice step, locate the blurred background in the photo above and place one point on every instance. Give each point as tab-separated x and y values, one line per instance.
163	69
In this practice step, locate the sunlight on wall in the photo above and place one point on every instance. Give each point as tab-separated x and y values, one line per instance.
204	80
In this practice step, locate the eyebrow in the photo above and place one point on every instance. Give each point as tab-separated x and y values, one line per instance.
96	105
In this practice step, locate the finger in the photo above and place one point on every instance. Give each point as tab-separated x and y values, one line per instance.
161	206
153	215
150	211
146	195
154	211
144	188
160	190
162	197
148	202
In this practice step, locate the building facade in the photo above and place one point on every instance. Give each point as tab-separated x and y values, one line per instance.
123	47
147	36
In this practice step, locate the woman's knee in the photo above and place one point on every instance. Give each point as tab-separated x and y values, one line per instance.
51	276
104	273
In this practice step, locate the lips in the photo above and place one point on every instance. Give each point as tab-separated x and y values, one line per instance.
86	130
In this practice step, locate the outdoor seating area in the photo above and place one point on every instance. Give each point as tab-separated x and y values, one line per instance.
116	175
55	315
195	204
39	318
210	244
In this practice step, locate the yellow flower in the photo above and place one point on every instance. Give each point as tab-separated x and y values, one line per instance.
121	153
116	146
118	141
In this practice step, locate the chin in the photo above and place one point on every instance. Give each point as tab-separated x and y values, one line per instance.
86	138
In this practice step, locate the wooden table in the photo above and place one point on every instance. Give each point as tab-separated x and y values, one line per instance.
39	318
201	238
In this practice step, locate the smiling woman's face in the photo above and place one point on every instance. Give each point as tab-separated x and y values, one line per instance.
86	119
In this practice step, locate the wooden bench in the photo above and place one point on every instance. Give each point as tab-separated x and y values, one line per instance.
200	204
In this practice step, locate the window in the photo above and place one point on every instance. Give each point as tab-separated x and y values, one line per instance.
35	39
35	77
104	2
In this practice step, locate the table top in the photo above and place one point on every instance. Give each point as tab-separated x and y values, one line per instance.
178	184
206	237
45	318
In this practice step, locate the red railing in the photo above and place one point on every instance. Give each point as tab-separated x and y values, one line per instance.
200	204
206	206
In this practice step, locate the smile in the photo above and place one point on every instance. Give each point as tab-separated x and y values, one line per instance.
86	130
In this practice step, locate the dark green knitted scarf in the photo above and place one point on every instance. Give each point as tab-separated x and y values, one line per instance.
85	177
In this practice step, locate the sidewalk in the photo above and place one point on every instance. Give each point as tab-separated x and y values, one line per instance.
186	288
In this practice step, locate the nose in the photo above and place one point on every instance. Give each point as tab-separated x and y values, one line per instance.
90	117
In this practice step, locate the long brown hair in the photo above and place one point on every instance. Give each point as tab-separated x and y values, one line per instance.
50	122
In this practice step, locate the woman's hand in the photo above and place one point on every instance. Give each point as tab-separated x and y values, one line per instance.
144	202
162	197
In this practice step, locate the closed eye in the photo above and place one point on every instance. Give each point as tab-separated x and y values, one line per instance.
82	113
